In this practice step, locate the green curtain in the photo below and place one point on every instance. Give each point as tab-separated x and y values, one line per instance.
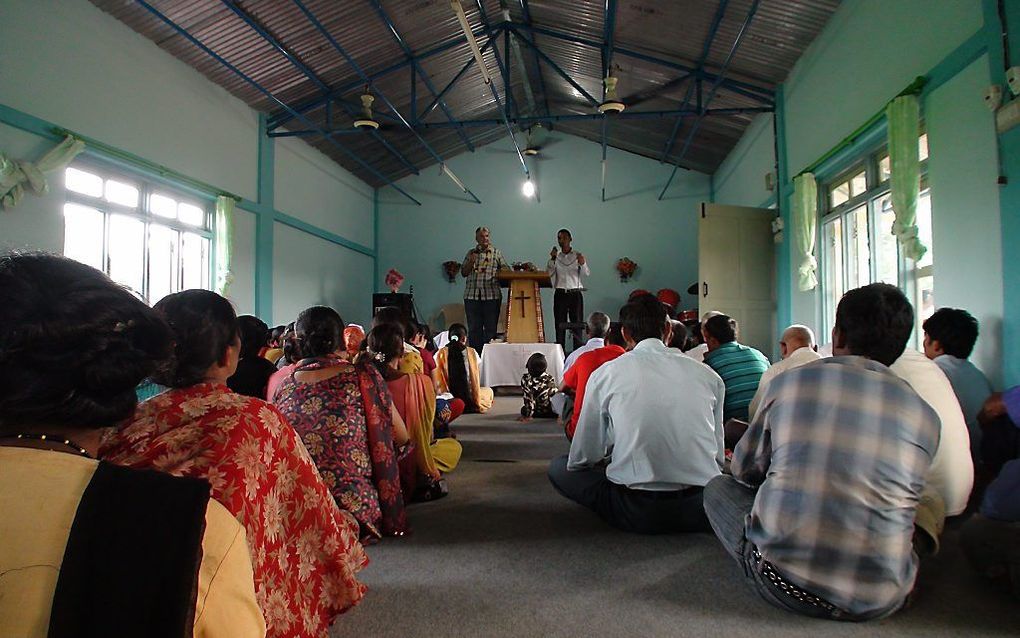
224	228
903	115
18	175
805	216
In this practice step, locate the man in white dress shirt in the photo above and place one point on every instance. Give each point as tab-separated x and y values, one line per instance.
650	434
797	346
566	267
598	326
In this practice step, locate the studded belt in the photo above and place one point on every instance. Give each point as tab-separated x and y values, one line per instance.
791	590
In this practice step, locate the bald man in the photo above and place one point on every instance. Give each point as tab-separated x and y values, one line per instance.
797	345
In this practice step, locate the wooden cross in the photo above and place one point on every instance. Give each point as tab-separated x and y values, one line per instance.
521	299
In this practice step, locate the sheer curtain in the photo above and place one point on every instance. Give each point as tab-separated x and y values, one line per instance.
805	216
223	226
903	115
18	175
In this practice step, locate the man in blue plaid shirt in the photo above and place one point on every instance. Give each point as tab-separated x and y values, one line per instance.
482	295
819	510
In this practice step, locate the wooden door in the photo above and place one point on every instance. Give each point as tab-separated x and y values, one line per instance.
736	270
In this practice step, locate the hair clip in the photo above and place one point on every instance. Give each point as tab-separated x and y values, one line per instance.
454	338
121	326
378	356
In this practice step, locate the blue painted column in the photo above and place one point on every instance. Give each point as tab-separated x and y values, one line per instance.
1009	192
784	276
375	240
264	224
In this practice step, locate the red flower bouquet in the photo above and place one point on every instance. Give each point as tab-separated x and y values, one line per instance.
394	279
451	268
626	268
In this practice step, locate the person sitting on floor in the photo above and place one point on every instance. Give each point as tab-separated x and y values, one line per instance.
679	336
740	366
89	548
951	475
797	347
700	348
819	510
538	387
575	380
949	338
253	371
649	435
302	545
991	539
274	350
411	361
595	329
456	372
345	417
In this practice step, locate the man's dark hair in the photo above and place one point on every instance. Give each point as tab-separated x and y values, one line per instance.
681	337
955	329
254	333
875	321
73	345
614	336
721	328
204	324
564	230
598	324
643	318
319	331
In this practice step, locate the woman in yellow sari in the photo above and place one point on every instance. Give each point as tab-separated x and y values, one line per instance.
415	400
457	372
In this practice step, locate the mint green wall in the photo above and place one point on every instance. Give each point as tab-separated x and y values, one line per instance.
965	208
661	236
740	181
870	51
67	63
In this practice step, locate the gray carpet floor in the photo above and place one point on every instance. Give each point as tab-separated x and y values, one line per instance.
505	555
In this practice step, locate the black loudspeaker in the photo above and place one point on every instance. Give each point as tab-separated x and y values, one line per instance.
402	300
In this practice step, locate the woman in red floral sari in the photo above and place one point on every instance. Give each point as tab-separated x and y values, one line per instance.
305	550
346	419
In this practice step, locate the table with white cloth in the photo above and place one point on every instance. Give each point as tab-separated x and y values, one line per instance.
505	363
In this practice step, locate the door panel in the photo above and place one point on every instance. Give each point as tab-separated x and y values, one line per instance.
736	270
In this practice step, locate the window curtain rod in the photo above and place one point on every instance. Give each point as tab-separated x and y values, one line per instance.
140	162
915	88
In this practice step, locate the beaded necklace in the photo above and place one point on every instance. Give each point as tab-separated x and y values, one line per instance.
49	438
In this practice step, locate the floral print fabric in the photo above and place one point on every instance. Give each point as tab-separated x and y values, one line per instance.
305	551
345	423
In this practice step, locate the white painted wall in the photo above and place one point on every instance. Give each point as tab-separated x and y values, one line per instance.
38	222
740	180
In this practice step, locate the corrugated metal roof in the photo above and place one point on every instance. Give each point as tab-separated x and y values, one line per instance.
670	30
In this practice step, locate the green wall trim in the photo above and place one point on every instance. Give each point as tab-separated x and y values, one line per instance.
784	285
339	240
1009	192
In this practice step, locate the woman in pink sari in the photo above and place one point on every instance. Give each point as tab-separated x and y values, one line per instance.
305	550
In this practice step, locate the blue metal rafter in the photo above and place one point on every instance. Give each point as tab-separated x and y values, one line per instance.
696	79
417	67
526	14
711	94
261	89
555	67
281	118
608	29
446	89
581	117
308	73
382	96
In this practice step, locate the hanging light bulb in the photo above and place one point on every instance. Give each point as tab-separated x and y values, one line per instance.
528	188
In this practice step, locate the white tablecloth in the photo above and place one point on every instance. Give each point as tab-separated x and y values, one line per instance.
506	363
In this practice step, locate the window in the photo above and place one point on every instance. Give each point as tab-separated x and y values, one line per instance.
858	246
143	235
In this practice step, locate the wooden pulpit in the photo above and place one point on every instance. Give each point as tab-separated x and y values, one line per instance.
524	305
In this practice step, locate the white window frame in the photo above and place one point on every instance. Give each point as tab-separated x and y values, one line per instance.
146	188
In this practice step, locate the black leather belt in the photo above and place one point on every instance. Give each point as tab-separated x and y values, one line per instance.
569	289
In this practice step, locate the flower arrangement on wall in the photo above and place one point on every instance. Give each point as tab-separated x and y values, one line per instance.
626	267
450	269
394	279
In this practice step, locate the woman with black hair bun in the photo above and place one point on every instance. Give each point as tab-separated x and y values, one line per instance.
253	371
457	372
305	549
414	398
80	536
345	416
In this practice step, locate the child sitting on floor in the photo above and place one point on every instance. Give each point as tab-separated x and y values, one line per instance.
539	387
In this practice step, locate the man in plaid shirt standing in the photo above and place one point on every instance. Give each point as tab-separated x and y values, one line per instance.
481	290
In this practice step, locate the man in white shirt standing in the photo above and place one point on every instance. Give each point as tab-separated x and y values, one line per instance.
566	267
797	346
650	434
598	326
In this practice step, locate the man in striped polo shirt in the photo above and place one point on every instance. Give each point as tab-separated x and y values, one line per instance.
739	366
